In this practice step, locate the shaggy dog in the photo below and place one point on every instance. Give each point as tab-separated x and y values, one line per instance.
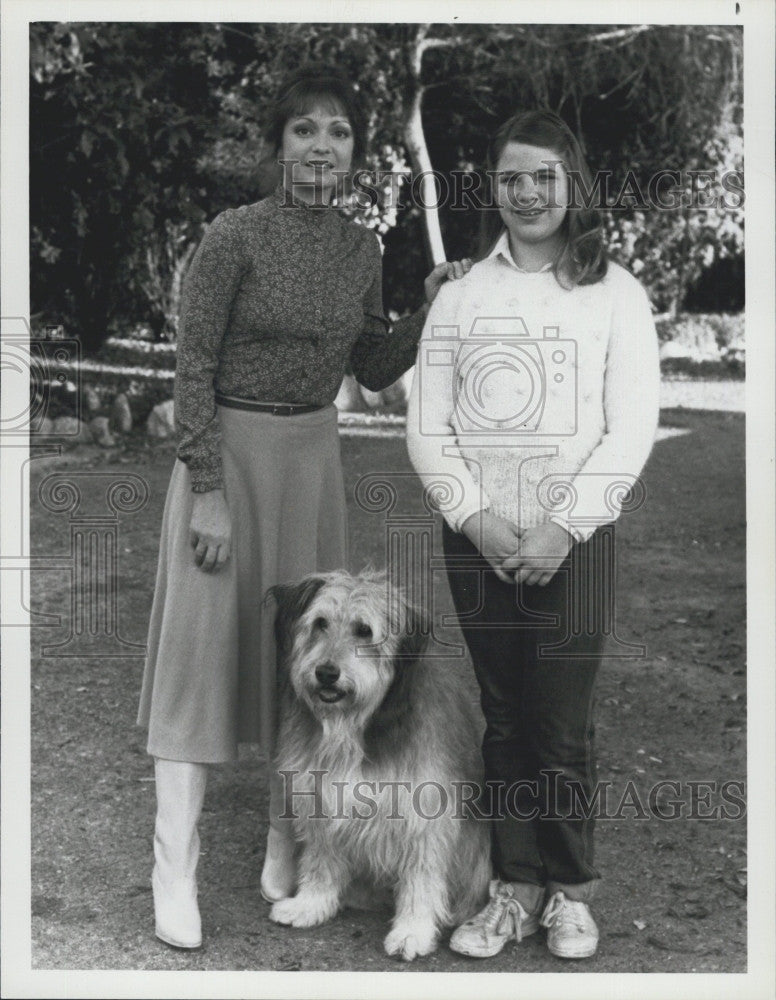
380	749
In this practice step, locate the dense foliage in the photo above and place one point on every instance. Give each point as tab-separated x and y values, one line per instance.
142	132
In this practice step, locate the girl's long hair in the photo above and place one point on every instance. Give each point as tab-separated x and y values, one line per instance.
583	260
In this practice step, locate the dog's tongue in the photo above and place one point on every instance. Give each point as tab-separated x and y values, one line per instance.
329	694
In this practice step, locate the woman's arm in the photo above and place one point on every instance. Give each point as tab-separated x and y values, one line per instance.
211	284
384	351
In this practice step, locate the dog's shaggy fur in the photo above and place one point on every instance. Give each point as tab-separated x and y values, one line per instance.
362	704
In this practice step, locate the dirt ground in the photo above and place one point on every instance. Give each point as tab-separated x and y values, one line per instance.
673	896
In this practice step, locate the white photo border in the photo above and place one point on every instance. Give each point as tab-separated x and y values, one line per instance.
757	17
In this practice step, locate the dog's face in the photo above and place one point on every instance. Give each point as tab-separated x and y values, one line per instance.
347	642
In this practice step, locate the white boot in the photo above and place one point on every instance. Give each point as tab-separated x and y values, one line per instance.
180	792
278	877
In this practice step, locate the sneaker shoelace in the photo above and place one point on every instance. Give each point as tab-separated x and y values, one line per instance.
565	911
504	915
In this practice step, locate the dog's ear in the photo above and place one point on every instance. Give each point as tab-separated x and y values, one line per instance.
385	725
414	634
292	600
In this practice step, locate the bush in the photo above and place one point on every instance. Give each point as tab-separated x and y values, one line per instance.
142	370
693	330
685	369
142	394
137	353
704	346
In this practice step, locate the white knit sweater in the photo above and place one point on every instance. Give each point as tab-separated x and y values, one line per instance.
537	402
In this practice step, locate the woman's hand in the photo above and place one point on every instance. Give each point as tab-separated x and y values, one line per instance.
542	550
449	270
496	538
210	530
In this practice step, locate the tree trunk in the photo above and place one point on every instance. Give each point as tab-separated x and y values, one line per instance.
415	138
680	282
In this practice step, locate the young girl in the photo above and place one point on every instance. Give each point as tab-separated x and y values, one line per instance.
280	296
535	399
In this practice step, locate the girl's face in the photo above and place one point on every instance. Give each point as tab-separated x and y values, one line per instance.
319	145
532	191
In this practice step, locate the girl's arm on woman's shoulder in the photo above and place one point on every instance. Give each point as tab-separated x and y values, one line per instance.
631	408
211	284
431	441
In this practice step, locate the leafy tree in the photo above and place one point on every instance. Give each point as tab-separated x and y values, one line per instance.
119	114
141	132
642	99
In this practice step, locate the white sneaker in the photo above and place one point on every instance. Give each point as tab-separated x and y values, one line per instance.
571	930
503	918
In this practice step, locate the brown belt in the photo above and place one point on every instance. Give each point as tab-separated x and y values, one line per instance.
276	409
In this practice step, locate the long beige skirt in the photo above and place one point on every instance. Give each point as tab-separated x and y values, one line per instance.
210	674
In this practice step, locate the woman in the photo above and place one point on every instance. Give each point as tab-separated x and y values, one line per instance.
280	295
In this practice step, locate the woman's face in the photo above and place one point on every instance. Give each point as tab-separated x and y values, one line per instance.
317	147
532	191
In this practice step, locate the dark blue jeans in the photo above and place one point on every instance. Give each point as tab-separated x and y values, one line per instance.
538	744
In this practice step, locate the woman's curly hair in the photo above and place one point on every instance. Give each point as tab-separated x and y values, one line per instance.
318	83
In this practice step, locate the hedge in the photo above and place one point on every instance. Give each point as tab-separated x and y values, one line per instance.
702	346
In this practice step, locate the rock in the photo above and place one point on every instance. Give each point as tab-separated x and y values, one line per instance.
395	396
392	399
72	428
673	349
100	428
121	415
44	426
161	421
695	336
90	399
37	403
372	399
734	353
349	398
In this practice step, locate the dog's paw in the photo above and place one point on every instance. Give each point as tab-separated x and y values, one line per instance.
304	910
410	941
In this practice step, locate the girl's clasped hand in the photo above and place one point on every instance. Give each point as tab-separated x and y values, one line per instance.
541	551
529	555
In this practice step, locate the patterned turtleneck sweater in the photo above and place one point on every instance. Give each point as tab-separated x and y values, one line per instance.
279	296
534	401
